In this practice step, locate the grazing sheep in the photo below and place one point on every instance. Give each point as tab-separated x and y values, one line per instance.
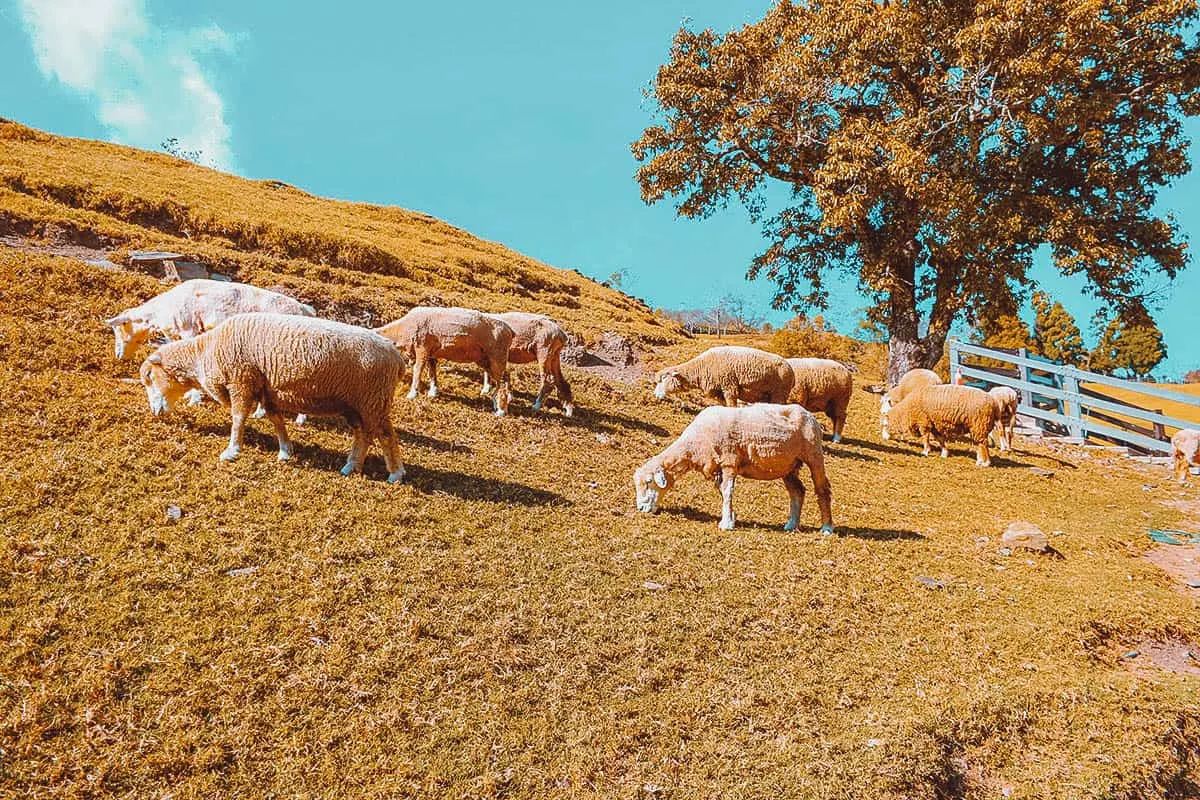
193	307
911	381
935	411
1006	400
289	365
538	338
760	441
426	334
1185	448
729	374
823	384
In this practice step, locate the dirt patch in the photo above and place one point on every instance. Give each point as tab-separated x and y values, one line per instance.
1173	655
1182	563
59	244
611	357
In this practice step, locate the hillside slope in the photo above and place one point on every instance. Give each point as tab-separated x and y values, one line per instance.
505	624
351	260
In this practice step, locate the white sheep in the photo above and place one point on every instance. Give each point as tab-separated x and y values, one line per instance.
1006	400
823	384
289	365
1185	450
426	334
538	338
730	374
193	307
911	381
760	441
936	411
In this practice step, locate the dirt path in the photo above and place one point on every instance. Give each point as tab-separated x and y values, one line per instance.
95	256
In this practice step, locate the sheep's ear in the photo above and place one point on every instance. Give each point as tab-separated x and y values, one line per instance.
660	478
155	358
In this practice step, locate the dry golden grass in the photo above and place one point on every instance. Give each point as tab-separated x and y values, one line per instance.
346	258
486	629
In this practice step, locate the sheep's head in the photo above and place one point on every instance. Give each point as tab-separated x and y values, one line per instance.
668	381
162	389
128	333
885	405
650	481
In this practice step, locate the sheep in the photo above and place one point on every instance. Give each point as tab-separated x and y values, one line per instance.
1185	449
823	385
426	334
289	364
1006	400
729	374
538	338
935	411
911	381
193	307
760	441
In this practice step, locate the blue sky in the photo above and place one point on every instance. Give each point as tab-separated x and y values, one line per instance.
510	120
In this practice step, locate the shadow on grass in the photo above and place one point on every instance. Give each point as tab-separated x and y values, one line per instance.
880	447
878	534
838	451
475	487
430	443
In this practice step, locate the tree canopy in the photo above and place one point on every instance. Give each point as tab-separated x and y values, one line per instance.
929	148
1137	348
1055	333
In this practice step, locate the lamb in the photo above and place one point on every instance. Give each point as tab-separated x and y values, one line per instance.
426	334
823	385
1006	400
193	307
911	381
538	338
289	364
760	441
1185	449
935	411
729	374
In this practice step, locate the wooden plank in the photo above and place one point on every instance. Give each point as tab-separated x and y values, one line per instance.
1134	412
1042	390
1144	442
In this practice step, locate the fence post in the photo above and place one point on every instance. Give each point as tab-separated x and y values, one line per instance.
1160	431
1074	411
955	357
1023	374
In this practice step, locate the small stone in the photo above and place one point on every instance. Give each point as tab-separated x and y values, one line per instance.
932	583
592	484
1029	667
1194	583
1045	473
1004	551
1025	535
174	513
241	572
603	438
1131	654
652	586
874	742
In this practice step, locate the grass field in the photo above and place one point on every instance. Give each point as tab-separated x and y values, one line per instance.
1170	408
505	624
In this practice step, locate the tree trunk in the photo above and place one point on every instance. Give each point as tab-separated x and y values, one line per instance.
907	349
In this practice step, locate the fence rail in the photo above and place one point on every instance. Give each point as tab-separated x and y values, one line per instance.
1053	393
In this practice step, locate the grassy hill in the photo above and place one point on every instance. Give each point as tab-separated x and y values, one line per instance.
505	624
349	259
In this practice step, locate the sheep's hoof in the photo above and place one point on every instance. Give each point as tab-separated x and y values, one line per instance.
301	419
945	453
827	530
983	463
349	470
259	413
229	453
537	405
433	391
397	476
485	391
569	410
726	524
285	452
789	525
837	438
194	397
500	412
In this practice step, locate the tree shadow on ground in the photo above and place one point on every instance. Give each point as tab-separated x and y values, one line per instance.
837	451
881	447
475	487
430	443
878	534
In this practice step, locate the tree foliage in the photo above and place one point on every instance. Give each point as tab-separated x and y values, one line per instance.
1136	347
1006	331
928	148
1055	334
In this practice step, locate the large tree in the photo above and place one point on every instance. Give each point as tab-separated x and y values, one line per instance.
1055	332
928	149
1135	346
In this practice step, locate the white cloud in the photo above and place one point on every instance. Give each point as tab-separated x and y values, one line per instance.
148	82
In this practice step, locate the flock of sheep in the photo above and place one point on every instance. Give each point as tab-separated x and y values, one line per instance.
261	353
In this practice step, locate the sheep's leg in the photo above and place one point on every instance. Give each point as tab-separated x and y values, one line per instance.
730	396
391	453
358	451
259	412
795	490
925	438
727	516
433	390
547	381
487	384
1181	468
983	457
285	444
839	421
240	406
194	397
418	366
816	466
500	377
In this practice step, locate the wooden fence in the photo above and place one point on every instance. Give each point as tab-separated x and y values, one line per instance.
1056	397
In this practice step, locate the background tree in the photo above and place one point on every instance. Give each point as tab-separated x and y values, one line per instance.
1133	346
1006	331
173	147
1055	334
1192	376
929	148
